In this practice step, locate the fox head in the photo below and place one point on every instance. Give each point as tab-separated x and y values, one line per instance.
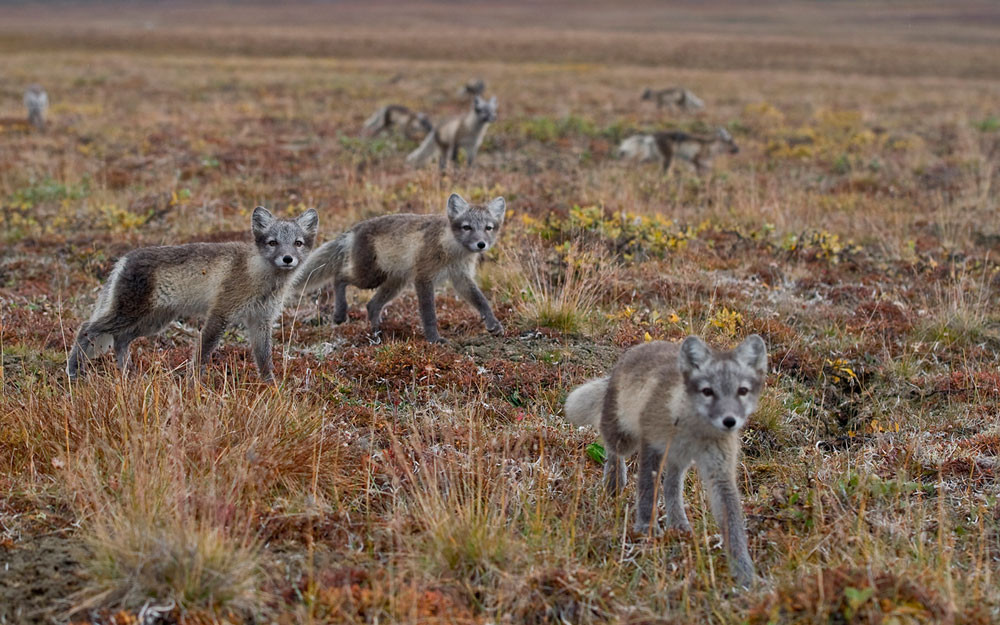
424	123
284	243
473	87
725	141
723	387
475	227
486	110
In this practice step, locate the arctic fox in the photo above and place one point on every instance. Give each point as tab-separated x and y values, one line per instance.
678	404
386	253
412	123
697	149
226	282
466	132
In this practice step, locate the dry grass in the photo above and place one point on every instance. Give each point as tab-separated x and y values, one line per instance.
855	231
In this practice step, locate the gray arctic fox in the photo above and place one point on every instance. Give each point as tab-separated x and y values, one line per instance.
232	282
387	253
677	405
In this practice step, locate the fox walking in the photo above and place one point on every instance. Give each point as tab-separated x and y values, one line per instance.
677	405
465	131
386	253
697	149
231	282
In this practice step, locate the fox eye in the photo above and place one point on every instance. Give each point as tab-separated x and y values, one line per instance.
273	243
489	226
466	227
707	392
741	391
299	243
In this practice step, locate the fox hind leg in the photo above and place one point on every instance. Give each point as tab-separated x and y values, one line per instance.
615	476
385	294
340	302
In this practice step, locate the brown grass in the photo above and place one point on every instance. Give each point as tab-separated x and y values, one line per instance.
856	231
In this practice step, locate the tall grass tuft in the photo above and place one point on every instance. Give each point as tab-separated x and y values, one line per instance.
563	293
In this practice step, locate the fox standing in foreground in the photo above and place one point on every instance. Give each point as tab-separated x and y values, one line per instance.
413	124
678	97
697	149
387	252
678	404
466	131
229	282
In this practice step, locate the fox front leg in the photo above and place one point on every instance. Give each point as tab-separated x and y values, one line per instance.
673	491
727	509
469	291
260	344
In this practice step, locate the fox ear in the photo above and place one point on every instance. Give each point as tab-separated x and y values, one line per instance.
456	206
308	220
752	352
261	220
497	207
694	354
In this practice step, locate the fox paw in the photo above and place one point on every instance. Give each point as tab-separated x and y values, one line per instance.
496	329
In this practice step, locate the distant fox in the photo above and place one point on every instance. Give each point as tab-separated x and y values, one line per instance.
37	102
678	97
473	88
697	149
465	131
678	404
227	282
413	124
387	252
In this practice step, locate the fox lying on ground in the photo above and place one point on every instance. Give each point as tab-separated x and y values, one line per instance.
677	405
465	131
231	282
413	124
386	253
678	97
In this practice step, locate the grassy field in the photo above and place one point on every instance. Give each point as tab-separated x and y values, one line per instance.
857	231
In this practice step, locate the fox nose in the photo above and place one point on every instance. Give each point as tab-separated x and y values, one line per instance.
729	422
287	259
481	245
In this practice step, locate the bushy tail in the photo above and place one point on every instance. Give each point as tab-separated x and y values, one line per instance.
585	404
372	123
323	265
425	151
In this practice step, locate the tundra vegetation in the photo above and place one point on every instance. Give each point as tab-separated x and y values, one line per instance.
856	231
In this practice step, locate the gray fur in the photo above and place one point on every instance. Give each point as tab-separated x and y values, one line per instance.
677	405
698	150
37	102
675	97
226	283
387	253
463	132
414	124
